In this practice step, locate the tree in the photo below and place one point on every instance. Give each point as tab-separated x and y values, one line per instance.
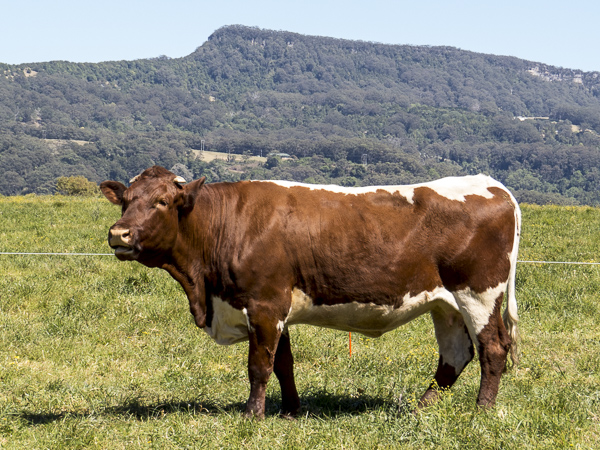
11	183
77	185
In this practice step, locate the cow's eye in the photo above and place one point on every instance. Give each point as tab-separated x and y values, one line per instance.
163	202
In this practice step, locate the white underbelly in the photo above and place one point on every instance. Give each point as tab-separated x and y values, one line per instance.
366	318
230	325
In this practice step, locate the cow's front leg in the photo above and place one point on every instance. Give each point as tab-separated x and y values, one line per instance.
284	370
264	337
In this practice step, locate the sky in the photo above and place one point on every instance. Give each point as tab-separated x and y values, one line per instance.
559	33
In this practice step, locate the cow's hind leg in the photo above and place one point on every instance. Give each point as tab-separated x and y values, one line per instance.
284	370
456	351
482	315
493	346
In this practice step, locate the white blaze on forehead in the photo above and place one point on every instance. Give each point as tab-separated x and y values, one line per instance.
453	188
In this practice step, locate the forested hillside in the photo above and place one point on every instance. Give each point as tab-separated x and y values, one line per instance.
347	112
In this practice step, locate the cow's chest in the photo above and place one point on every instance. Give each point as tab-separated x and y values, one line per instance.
230	325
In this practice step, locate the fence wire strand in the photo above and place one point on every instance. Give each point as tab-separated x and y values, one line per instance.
56	254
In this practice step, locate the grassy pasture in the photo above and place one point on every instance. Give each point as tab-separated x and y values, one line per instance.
96	353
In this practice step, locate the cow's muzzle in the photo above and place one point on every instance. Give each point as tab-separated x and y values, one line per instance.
121	241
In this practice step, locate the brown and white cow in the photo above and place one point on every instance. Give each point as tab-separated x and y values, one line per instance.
255	257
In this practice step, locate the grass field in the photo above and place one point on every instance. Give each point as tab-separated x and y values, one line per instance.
97	353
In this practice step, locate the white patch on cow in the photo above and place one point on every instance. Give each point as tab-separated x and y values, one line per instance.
229	325
457	188
476	308
452	337
366	318
453	188
250	327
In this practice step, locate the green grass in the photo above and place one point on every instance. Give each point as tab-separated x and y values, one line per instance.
98	353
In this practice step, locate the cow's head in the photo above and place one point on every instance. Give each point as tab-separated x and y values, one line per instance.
151	210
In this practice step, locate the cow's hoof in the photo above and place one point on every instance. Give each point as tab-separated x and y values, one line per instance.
254	414
290	414
290	410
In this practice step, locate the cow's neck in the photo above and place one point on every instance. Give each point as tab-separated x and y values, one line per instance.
193	287
190	261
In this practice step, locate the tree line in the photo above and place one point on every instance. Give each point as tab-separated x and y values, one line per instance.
412	113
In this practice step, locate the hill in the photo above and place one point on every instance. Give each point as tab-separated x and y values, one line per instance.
349	112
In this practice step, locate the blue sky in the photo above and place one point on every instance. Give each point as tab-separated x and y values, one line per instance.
559	33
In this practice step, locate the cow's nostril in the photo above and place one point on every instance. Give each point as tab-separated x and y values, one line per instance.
119	237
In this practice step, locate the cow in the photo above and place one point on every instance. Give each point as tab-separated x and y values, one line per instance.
255	257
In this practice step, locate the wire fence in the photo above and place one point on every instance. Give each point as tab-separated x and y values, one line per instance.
56	254
349	334
562	262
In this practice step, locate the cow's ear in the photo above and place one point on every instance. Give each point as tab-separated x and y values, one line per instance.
113	191
190	193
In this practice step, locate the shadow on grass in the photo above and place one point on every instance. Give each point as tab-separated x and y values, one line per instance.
319	405
136	410
326	405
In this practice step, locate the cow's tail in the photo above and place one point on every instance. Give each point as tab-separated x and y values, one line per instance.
510	315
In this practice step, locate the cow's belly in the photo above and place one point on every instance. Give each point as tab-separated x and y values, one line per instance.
230	325
366	318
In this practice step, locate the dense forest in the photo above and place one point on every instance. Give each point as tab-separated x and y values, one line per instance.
346	112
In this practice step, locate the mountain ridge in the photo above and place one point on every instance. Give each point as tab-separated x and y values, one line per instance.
416	111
